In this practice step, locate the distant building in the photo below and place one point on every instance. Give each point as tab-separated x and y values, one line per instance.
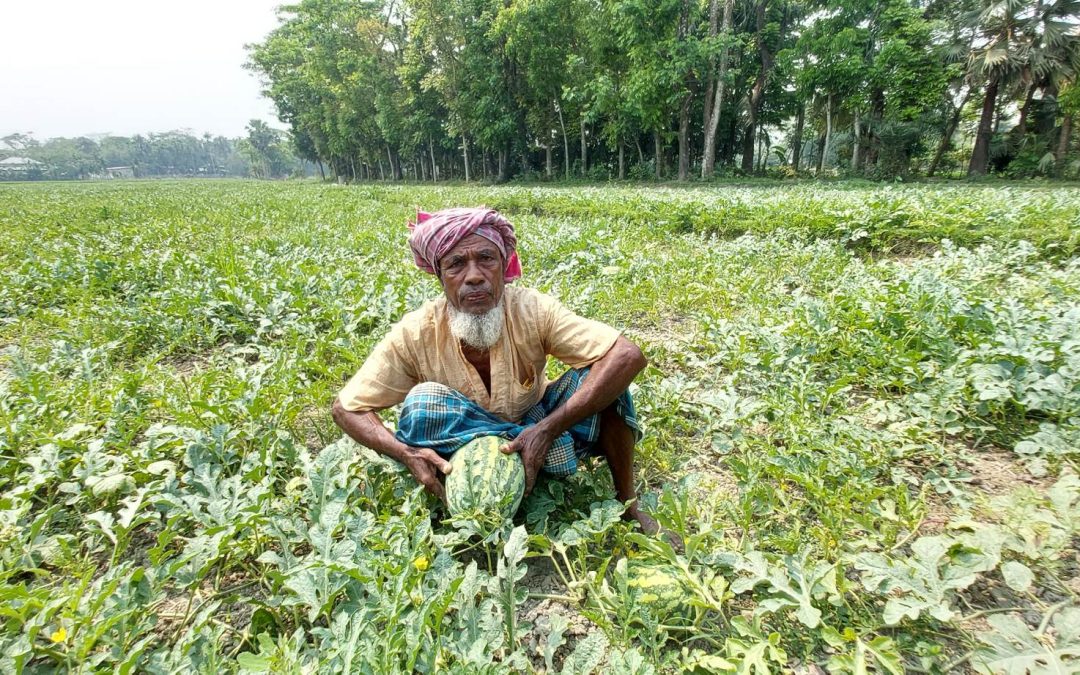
118	172
20	167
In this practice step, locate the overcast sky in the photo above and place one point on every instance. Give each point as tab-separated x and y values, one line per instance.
130	66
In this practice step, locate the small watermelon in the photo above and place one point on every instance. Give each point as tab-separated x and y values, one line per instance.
660	584
485	484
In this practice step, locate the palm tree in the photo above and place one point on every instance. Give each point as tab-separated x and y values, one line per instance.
1020	42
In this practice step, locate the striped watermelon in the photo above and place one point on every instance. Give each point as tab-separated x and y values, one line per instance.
485	484
660	584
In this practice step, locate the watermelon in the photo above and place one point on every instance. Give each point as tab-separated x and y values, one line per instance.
660	584
485	484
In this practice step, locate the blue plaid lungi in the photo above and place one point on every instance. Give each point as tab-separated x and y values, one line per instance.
443	419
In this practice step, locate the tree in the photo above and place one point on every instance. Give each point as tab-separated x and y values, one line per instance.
1028	41
718	86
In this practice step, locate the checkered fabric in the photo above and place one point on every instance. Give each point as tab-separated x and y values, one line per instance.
438	417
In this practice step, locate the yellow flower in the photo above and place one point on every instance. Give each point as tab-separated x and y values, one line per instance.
421	564
59	636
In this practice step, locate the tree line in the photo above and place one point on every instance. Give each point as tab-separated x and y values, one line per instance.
264	153
467	89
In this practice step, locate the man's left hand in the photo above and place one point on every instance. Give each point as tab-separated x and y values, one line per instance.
532	444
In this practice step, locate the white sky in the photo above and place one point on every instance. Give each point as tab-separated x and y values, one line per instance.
124	67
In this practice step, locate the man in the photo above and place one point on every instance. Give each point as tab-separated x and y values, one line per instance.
471	363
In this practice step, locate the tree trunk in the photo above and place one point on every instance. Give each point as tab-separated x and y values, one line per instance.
382	170
708	159
946	139
855	138
828	134
622	161
757	93
820	154
352	167
640	152
434	164
322	174
547	158
504	163
980	154
684	137
761	149
565	140
658	154
584	149
465	153
1020	130
689	80
710	72
1063	144
796	151
877	113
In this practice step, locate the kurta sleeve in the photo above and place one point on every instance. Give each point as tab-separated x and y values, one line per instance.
576	341
385	378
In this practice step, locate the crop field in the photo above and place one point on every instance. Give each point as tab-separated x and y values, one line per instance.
862	418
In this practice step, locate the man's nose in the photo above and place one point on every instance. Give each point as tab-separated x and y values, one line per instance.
473	274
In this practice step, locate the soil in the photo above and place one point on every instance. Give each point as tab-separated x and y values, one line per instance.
996	472
542	579
186	365
315	427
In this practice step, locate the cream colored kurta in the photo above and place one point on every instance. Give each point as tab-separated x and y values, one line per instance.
420	348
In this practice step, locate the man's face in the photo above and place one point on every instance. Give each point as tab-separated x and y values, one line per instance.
472	275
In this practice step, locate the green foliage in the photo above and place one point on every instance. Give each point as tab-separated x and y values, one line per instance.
172	153
869	460
479	88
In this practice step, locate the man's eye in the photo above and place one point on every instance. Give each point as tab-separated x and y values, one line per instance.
455	263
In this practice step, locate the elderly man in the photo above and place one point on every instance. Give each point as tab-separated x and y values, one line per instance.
472	363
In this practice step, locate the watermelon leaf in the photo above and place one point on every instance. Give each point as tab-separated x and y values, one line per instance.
1014	649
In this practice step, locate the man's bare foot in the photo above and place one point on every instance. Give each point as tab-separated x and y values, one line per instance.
648	524
650	527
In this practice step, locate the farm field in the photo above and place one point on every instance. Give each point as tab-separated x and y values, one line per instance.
862	417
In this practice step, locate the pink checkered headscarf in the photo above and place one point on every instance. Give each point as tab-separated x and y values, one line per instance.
435	234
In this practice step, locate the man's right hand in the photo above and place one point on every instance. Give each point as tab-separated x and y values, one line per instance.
425	465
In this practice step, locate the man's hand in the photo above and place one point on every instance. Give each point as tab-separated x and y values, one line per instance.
532	444
425	465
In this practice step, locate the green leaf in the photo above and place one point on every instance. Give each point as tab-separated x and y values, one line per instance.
1012	648
111	484
925	582
254	663
557	625
630	662
879	655
587	655
1017	575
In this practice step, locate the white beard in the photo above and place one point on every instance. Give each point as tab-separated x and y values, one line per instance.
479	331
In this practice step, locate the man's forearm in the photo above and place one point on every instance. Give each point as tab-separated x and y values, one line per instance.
608	378
368	430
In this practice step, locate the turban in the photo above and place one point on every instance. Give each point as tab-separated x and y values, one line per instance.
435	234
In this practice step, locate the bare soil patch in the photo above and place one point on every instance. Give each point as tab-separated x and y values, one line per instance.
542	579
996	472
187	365
314	426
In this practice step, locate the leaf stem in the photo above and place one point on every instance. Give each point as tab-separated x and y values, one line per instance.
1049	614
992	610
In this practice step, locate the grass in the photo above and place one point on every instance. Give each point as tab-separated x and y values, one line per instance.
840	374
